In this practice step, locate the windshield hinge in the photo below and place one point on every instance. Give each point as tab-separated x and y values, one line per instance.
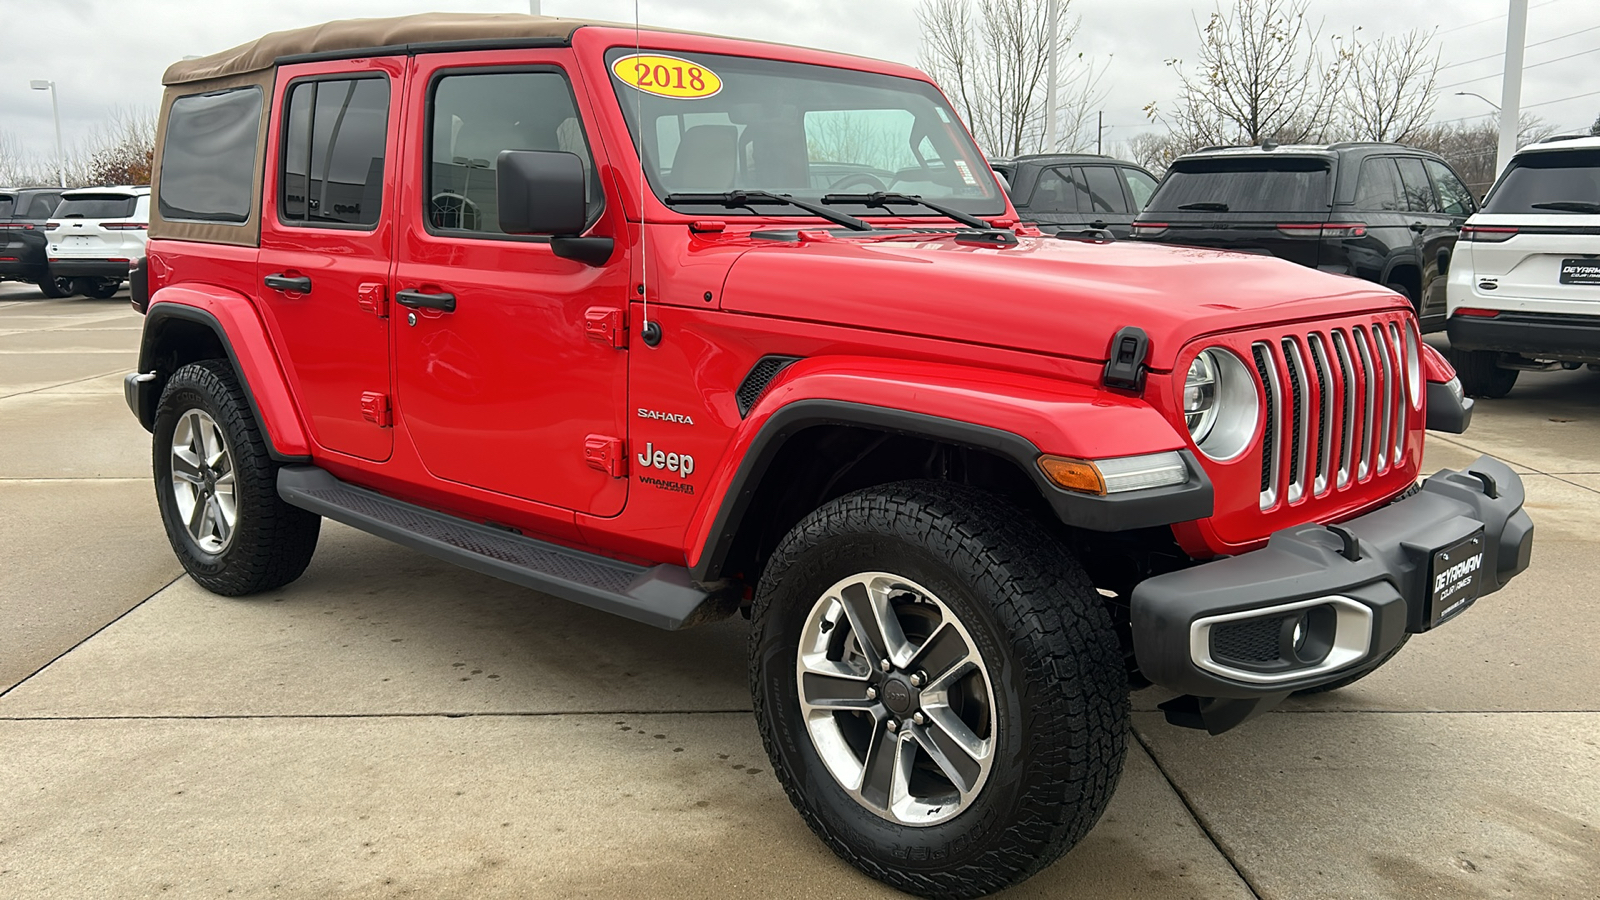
1125	368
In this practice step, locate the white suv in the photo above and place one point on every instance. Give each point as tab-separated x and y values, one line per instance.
1524	289
94	235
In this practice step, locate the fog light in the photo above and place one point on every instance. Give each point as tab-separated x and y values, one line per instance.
1299	634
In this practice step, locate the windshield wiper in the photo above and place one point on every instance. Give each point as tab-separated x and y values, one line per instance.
1582	206
752	199
1205	206
883	200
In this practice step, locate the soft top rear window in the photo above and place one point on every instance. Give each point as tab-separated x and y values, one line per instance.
1255	184
96	206
208	156
1546	177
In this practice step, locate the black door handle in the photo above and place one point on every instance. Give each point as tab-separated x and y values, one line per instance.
280	282
421	300
1418	227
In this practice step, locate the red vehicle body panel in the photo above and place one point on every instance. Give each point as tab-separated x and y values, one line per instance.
493	403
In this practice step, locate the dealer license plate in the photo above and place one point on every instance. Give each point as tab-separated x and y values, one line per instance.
1580	271
1456	579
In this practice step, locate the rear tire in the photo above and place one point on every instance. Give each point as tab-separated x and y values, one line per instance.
1042	694
97	288
1481	374
55	288
217	488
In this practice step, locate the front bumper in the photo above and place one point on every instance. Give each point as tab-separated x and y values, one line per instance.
68	267
1355	590
1568	338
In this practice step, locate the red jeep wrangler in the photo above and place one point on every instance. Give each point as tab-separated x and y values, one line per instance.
680	327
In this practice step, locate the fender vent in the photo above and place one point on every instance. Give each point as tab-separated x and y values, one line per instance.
761	375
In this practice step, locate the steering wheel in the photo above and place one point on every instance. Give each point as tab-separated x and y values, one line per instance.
861	178
451	210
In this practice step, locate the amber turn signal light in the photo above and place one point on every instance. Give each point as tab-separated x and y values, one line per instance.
1072	474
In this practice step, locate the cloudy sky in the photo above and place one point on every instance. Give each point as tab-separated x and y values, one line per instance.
109	53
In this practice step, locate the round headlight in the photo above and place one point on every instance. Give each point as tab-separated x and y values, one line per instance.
1220	404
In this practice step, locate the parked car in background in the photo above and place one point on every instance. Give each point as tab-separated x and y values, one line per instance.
1524	292
1380	212
95	234
23	213
1073	192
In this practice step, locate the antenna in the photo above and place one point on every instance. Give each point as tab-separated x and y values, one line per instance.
648	330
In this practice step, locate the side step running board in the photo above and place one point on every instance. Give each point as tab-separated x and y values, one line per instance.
662	596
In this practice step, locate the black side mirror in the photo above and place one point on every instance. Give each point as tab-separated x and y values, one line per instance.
541	192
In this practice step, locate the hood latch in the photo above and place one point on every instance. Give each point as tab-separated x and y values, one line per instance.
1125	368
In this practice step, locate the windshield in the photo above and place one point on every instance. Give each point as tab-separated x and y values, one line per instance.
1548	177
720	123
1280	184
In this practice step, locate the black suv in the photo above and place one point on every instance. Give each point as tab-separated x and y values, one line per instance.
23	212
1072	192
1381	212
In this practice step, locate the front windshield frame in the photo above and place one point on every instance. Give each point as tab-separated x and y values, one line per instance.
932	122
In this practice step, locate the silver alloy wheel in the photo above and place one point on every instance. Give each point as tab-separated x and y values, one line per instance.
896	698
203	481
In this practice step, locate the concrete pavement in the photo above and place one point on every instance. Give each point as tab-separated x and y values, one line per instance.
392	726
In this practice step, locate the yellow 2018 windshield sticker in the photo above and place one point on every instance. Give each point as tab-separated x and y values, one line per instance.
667	76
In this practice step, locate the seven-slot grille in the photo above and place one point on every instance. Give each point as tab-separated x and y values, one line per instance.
1336	407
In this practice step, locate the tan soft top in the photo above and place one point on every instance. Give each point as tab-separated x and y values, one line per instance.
361	34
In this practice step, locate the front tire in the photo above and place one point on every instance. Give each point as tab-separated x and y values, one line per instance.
217	488
1481	374
938	686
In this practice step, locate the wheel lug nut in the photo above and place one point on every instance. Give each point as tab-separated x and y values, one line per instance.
919	718
872	693
884	666
917	679
892	725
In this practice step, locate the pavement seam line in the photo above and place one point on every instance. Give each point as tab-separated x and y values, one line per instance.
91	636
1559	476
1194	813
61	385
395	715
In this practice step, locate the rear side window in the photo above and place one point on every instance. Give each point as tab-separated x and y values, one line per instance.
474	117
1280	184
1419	195
7	203
97	206
335	133
1378	187
208	156
1454	197
1572	176
1054	192
43	206
1104	190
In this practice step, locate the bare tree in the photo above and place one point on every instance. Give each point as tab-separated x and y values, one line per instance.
1156	151
121	149
1392	87
991	58
1470	146
1263	73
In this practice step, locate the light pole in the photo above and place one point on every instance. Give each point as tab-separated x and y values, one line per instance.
1511	83
1054	20
1480	97
533	7
55	110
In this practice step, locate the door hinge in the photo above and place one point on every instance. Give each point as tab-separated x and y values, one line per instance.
374	299
604	452
375	409
606	325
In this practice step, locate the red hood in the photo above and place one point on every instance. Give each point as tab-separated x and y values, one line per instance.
1064	298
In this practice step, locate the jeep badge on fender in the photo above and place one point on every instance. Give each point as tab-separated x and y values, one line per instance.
956	542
